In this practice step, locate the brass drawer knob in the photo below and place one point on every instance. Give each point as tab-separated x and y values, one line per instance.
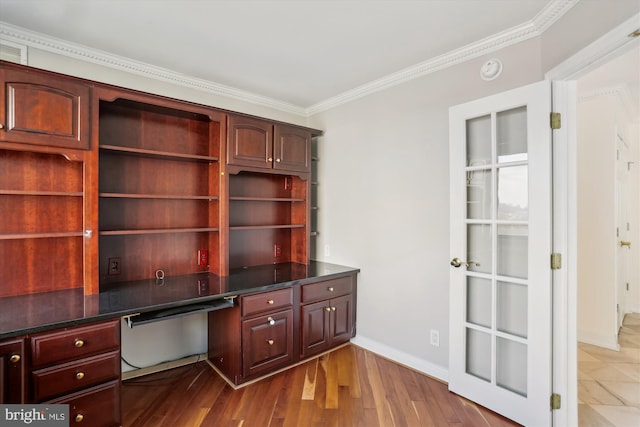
79	418
79	375
1	126
330	288
78	343
270	342
15	358
271	321
270	302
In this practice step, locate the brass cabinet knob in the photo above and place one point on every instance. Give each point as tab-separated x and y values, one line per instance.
270	342
270	302
78	343
277	160
270	159
79	418
15	358
330	289
328	308
271	321
333	309
1	126
79	375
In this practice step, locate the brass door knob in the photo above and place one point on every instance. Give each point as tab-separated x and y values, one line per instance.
15	358
457	262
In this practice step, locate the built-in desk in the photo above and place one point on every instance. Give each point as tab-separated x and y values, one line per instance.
267	312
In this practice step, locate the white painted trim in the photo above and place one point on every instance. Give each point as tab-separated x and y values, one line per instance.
543	20
607	341
550	14
420	365
565	212
18	46
597	52
84	53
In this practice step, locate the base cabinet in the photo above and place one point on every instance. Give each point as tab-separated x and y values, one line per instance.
79	366
13	370
272	330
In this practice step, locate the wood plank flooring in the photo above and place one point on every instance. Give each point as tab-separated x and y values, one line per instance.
347	387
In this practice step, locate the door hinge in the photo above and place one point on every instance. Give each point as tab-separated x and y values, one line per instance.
556	120
556	261
555	401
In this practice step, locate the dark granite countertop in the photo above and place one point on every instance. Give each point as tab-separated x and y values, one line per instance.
31	313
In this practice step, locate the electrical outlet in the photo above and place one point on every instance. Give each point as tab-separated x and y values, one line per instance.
114	266
203	257
435	338
277	250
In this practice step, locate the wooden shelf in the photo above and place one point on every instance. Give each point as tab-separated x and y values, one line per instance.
156	231
19	236
40	193
158	154
265	227
155	196
265	199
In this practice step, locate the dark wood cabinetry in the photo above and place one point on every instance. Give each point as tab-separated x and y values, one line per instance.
104	188
260	144
13	371
326	315
79	366
43	109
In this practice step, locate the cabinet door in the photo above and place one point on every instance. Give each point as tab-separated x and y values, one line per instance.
291	149
341	322
315	327
250	142
267	342
42	109
12	372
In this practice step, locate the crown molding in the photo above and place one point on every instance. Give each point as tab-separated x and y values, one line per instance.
543	20
25	37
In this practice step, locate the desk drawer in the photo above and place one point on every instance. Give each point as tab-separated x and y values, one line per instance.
266	301
97	407
50	348
63	379
327	289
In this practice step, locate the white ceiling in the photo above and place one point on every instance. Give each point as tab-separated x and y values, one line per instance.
299	52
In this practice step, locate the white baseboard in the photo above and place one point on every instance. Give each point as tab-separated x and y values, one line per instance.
405	359
164	366
610	342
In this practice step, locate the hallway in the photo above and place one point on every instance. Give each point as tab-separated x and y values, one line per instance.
609	381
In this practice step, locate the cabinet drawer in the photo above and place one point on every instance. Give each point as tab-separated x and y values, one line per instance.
327	289
62	346
63	379
96	407
267	301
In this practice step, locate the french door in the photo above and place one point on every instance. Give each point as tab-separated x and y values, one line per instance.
500	297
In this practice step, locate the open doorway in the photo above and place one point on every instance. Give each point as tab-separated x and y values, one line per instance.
608	255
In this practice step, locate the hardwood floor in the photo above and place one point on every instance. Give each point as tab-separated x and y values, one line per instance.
347	387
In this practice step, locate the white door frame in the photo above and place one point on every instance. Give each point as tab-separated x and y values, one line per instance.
565	377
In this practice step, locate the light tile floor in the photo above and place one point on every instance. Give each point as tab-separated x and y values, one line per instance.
609	381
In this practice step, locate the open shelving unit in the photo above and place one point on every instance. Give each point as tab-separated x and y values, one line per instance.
158	190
